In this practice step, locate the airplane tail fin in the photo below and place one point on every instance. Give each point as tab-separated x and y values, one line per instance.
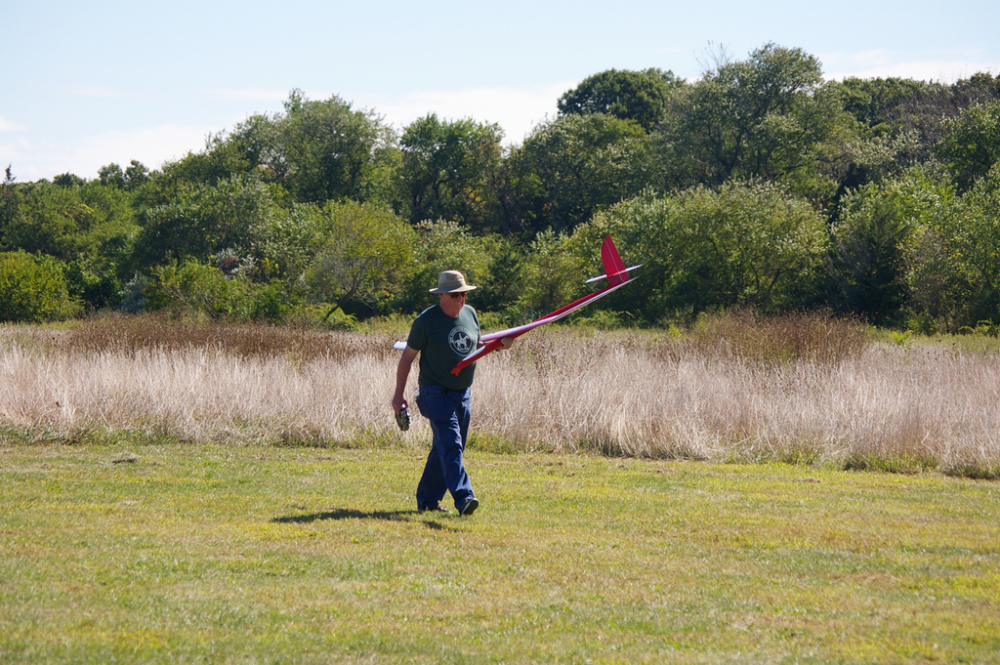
614	268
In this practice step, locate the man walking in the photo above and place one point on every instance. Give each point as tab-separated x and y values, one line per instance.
443	335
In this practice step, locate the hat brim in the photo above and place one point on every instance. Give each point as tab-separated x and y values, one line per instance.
461	289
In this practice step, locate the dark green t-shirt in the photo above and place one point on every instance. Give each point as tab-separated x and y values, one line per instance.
443	342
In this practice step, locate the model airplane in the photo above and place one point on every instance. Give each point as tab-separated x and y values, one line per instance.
614	271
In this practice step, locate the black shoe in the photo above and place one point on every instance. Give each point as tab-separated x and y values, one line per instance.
436	508
469	506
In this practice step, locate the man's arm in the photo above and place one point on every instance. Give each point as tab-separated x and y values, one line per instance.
402	374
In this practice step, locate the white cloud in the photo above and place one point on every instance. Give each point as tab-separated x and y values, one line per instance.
516	110
32	160
272	95
99	92
8	126
946	67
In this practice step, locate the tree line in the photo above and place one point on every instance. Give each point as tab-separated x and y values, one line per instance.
760	184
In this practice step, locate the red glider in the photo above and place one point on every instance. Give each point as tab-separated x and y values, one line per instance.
614	271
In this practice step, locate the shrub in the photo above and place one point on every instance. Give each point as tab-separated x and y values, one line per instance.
193	287
322	315
552	274
363	254
441	246
747	244
33	289
885	253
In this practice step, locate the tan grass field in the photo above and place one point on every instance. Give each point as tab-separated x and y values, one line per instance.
807	390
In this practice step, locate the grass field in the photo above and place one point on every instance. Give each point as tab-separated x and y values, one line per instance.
198	552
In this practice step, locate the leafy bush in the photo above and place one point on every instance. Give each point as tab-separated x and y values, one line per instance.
882	252
85	225
552	274
956	278
441	246
362	254
971	143
194	287
32	289
200	221
745	244
573	165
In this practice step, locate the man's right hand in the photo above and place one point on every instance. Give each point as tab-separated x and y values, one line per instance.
398	404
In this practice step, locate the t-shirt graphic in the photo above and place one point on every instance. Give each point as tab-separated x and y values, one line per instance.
460	340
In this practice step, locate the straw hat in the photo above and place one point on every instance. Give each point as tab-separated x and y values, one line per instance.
452	281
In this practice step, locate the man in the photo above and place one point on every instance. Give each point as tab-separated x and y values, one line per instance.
443	335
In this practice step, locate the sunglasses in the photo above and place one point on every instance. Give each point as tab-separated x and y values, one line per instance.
456	296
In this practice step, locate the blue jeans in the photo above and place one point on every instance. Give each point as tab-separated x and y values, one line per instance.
449	415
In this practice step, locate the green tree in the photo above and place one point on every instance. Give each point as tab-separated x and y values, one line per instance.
574	165
445	245
315	151
769	117
134	176
220	160
874	238
745	244
192	287
876	158
891	105
365	253
552	274
327	150
447	170
955	273
642	230
50	219
8	200
290	239
68	180
971	143
202	221
111	176
89	227
630	95
980	88
506	279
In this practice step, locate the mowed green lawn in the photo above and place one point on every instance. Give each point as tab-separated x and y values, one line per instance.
224	554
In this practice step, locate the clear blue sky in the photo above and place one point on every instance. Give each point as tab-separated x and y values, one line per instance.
84	84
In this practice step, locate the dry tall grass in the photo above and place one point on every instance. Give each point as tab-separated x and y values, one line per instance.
802	389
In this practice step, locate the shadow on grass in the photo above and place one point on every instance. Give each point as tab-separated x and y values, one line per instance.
350	514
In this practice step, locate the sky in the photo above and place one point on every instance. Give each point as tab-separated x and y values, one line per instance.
86	84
